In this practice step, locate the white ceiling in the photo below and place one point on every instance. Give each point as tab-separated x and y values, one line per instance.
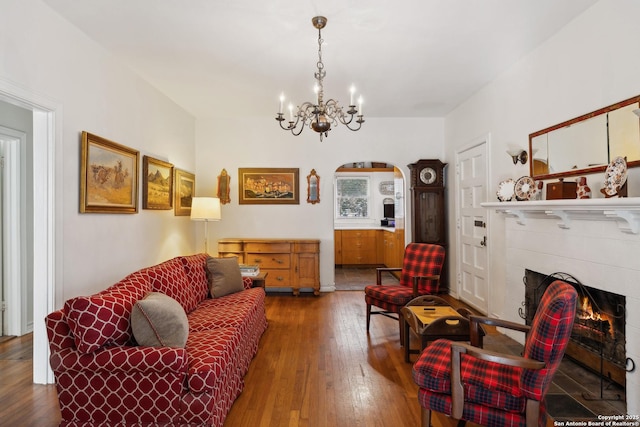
408	58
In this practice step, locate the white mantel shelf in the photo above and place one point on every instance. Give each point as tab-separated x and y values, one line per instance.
625	211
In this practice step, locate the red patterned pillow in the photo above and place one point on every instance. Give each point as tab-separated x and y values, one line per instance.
195	266
104	318
170	279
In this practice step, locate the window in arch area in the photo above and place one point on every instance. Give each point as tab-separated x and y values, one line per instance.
352	197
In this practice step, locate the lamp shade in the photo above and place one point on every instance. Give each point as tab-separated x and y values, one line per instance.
205	209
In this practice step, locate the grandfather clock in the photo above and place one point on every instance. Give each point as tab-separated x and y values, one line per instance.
428	214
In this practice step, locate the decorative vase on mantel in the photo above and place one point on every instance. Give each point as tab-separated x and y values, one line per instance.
583	190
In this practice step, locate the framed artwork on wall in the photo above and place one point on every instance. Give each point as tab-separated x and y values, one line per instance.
262	186
108	176
184	190
157	184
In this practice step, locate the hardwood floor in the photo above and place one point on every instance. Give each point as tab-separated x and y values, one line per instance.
324	370
23	403
316	367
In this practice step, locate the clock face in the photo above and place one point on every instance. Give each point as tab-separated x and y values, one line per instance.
428	175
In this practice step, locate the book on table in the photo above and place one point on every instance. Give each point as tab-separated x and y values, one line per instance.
249	270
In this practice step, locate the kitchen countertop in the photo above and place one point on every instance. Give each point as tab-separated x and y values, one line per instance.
363	227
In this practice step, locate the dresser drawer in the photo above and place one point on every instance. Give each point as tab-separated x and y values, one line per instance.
277	278
230	247
307	247
240	256
273	247
270	260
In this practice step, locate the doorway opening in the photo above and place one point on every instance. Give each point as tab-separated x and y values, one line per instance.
45	182
369	222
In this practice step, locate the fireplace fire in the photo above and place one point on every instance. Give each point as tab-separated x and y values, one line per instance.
598	337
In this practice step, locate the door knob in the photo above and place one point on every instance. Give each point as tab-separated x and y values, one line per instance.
483	242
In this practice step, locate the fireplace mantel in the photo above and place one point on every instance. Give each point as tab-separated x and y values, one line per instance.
624	211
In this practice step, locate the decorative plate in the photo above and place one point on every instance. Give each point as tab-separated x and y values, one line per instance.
525	188
615	176
505	190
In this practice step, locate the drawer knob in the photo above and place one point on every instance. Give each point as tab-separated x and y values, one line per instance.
279	261
280	278
257	260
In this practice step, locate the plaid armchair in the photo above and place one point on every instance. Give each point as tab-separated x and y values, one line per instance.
493	389
420	275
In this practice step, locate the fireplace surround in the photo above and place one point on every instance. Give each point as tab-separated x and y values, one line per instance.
596	240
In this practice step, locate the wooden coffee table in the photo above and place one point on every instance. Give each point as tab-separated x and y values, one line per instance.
431	318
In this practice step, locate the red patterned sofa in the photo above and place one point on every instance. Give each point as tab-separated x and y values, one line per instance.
104	378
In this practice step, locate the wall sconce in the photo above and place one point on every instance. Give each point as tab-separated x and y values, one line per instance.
518	155
205	209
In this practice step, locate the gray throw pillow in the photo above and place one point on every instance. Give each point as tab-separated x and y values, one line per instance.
224	276
158	320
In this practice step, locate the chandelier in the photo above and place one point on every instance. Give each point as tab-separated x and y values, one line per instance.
321	115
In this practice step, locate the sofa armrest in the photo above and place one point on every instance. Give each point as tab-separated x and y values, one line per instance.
121	359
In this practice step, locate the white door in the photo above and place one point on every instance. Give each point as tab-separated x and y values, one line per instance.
471	183
14	290
2	299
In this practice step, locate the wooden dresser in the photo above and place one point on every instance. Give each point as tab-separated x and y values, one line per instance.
289	263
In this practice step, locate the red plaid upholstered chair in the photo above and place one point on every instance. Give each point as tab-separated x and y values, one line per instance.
493	389
420	275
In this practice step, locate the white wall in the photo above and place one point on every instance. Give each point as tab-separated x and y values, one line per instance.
236	142
589	64
44	55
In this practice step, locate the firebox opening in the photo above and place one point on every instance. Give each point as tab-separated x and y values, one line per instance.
598	337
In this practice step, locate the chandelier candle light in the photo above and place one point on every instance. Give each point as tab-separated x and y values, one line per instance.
320	115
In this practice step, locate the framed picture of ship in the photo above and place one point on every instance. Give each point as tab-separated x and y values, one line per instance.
267	186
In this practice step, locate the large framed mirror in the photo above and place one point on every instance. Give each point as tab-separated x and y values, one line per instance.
587	144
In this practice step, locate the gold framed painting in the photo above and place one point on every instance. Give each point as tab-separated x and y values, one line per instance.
108	176
261	186
157	184
185	191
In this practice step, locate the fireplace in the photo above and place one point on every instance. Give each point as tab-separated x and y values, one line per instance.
598	337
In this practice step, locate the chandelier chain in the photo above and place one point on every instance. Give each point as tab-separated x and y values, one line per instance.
321	73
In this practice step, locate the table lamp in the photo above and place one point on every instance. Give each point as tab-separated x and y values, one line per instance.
205	209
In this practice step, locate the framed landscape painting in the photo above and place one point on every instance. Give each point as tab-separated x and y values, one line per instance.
269	186
157	184
108	176
185	191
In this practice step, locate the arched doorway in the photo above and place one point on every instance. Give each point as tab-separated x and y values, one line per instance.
369	212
